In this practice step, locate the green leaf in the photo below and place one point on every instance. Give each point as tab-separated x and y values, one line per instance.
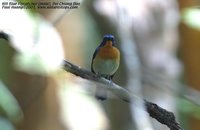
6	124
189	108
9	105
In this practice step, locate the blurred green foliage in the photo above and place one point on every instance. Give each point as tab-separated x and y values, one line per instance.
9	105
188	107
6	56
32	10
191	17
10	112
6	124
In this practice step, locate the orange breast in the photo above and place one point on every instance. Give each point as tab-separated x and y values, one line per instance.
109	52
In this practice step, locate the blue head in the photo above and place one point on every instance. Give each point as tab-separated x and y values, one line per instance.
108	38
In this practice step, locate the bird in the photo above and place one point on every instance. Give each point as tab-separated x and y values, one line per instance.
105	62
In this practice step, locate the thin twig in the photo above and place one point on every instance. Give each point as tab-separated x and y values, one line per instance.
159	80
160	114
60	17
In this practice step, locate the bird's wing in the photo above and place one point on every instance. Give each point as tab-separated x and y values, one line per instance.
94	55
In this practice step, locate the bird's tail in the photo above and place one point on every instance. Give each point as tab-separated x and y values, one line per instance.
101	93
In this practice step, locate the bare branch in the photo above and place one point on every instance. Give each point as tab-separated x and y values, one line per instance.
160	114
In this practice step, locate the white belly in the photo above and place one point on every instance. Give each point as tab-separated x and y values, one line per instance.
105	67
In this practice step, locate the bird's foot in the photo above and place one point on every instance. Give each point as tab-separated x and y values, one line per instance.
101	98
110	82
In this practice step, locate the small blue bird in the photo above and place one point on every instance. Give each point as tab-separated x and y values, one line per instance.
105	62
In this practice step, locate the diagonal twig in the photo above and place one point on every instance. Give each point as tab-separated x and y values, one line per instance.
155	111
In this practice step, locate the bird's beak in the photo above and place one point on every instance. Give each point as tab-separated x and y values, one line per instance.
109	43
